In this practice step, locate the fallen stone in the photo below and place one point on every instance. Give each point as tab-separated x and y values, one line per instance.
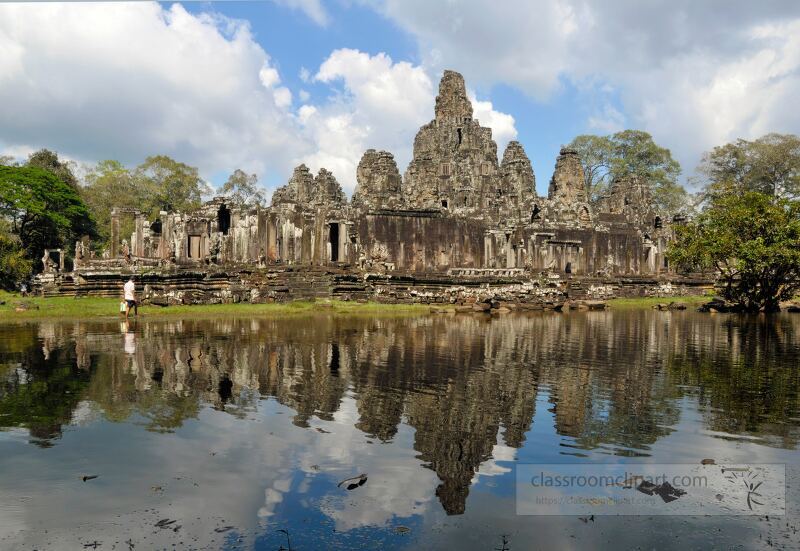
481	307
677	306
501	310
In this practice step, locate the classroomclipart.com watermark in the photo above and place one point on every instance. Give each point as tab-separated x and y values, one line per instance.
651	489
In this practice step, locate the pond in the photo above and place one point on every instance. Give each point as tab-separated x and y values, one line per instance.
240	433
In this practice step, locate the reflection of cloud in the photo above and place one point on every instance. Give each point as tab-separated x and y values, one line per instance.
397	485
500	452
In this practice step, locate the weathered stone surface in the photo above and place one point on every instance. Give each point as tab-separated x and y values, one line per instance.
454	167
568	201
305	189
327	191
517	171
379	182
631	198
299	189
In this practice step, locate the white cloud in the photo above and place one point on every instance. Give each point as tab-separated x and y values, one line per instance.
502	124
269	77
695	74
283	97
124	81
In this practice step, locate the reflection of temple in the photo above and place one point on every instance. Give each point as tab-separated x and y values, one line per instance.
614	379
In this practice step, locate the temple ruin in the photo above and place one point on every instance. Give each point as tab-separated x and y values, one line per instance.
457	222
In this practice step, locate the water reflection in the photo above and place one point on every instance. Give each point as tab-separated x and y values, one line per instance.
461	392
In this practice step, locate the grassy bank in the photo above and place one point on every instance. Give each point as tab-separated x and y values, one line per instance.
98	308
649	302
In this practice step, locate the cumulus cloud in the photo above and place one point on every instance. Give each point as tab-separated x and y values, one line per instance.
502	124
695	74
124	81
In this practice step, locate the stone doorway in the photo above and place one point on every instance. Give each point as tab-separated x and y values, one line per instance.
333	239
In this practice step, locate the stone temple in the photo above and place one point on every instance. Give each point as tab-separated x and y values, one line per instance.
461	223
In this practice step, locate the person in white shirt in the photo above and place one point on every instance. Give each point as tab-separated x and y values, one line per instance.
130	298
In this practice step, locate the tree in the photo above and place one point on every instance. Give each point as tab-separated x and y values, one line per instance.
14	266
7	160
42	210
169	185
110	185
595	153
770	164
242	189
752	240
632	153
49	161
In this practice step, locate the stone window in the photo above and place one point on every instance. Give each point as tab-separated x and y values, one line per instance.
536	213
485	169
444	169
444	204
657	222
459	136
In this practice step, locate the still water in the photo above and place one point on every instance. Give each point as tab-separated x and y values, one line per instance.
235	433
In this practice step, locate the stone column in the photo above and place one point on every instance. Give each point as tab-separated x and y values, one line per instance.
138	245
165	241
272	239
114	252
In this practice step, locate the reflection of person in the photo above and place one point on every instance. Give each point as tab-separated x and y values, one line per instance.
129	344
130	298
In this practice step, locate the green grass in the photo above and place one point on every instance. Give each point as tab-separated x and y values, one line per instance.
97	308
649	302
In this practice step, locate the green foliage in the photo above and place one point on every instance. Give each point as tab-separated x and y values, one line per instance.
169	185
242	189
42	210
49	161
110	185
160	183
596	153
14	266
631	153
752	240
770	165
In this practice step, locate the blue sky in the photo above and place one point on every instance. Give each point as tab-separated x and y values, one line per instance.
264	86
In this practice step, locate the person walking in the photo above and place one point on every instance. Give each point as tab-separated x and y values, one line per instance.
130	298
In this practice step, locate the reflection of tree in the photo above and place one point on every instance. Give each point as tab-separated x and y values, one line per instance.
750	384
614	380
40	394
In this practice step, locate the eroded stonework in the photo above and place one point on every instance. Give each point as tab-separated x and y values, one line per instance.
457	215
